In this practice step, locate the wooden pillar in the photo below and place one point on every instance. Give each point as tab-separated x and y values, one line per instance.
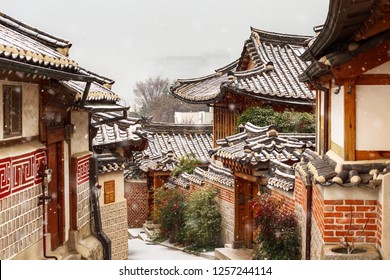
349	120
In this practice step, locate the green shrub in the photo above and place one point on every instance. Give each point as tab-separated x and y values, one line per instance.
187	164
287	121
169	213
278	230
202	220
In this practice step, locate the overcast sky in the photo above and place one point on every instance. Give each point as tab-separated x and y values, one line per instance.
131	40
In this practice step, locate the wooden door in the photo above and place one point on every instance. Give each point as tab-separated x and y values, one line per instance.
55	206
245	231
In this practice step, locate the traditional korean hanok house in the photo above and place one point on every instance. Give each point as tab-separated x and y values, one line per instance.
115	138
265	75
168	144
253	156
44	155
350	70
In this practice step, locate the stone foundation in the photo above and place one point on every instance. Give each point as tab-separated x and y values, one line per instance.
114	222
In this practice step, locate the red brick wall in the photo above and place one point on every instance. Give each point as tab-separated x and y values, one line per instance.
289	203
318	210
379	240
338	221
300	193
136	194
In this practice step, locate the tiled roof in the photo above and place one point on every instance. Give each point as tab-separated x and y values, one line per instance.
273	74
327	171
282	176
28	45
220	175
203	89
214	173
46	39
276	66
260	144
165	162
165	150
197	177
97	92
128	131
109	162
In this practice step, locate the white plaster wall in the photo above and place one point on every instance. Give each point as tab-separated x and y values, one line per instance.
79	142
30	109
337	117
372	114
200	117
384	198
118	177
382	69
335	192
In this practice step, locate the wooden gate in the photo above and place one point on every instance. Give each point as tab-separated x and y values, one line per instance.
55	206
245	191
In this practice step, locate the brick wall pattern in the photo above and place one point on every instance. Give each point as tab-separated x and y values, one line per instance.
114	223
136	194
83	191
20	215
380	221
288	203
342	217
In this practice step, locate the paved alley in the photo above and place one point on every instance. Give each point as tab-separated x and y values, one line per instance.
144	250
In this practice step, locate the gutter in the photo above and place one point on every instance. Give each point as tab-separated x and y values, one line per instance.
95	191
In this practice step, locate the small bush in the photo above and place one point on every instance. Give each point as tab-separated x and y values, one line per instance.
202	220
278	230
169	213
187	164
288	121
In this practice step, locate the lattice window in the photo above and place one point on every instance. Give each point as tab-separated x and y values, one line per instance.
109	192
12	101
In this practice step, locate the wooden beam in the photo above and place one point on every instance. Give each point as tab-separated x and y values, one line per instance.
349	120
373	79
247	177
373	27
371	155
363	62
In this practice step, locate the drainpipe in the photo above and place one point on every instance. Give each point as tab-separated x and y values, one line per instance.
95	191
309	191
46	177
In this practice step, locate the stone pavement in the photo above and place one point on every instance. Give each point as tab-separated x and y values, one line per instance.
142	248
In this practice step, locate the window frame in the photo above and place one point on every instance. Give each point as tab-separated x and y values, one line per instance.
12	97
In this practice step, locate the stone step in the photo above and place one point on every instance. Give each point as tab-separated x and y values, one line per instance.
233	254
73	257
134	232
144	237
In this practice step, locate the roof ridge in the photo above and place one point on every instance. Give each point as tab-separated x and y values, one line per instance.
281	38
34	33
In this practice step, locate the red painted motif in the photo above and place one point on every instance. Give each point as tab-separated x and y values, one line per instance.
83	169
226	195
20	172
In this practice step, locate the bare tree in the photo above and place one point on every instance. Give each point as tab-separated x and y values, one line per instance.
149	90
152	95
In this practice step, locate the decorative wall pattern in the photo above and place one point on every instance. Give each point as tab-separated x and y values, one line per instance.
20	172
83	169
20	215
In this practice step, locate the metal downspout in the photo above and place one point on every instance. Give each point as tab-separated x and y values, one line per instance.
309	202
97	229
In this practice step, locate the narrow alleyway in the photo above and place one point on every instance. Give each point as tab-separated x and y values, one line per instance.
140	249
